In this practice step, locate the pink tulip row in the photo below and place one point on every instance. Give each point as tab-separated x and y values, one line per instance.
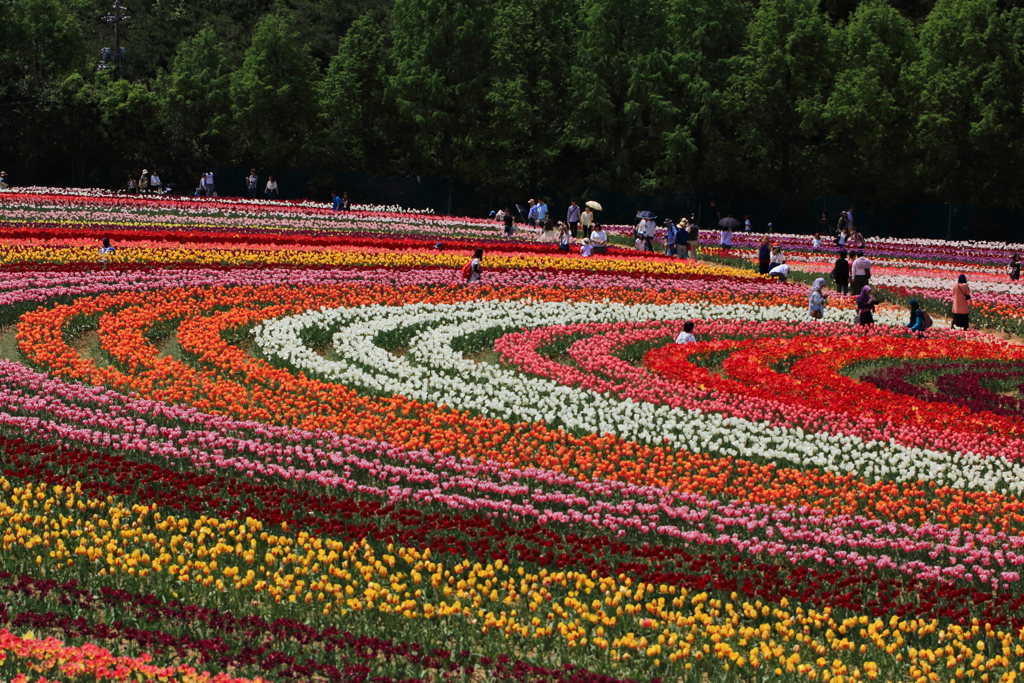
599	369
58	412
38	286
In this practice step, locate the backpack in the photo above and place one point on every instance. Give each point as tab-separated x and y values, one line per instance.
926	320
467	271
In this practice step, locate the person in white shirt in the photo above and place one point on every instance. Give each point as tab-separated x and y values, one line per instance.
816	241
155	184
686	336
747	227
861	271
586	249
780	271
209	184
588	221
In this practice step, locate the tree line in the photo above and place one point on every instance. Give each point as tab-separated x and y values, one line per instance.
882	102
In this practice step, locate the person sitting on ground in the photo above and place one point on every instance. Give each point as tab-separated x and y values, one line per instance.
776	258
917	322
686	336
586	249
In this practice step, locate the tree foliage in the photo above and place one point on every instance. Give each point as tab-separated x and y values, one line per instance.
882	101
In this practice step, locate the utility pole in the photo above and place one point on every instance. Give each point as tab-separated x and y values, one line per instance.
114	59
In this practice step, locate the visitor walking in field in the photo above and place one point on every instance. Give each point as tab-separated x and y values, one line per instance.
682	245
764	256
693	237
252	183
271	188
816	302
509	221
472	271
961	303
144	182
866	307
587	221
841	273
1013	268
670	237
861	270
563	239
572	217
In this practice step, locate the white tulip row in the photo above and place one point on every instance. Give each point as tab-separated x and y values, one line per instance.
432	371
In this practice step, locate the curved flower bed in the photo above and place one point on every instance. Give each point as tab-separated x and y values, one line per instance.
261	437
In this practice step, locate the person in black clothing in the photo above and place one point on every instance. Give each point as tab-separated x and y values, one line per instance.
841	274
764	255
1013	270
508	222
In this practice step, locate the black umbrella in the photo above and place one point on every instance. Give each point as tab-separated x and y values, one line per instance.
729	223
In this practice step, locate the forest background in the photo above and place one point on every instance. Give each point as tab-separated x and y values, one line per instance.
883	103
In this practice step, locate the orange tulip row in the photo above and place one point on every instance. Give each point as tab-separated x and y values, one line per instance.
224	379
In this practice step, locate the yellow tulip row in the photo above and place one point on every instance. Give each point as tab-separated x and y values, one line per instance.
284	257
616	618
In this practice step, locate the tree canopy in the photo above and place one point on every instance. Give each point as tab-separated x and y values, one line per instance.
881	101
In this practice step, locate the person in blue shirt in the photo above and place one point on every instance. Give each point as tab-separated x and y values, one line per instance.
916	323
336	202
572	217
670	237
531	217
542	211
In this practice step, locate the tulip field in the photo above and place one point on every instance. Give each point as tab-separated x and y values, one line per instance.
269	441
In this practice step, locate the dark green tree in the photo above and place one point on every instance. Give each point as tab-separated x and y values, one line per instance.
440	79
195	101
620	79
705	36
529	99
362	129
777	92
273	96
971	86
869	112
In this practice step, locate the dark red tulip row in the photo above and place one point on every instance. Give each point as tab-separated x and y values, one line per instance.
463	535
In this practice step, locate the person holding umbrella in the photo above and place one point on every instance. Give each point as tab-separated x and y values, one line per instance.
587	219
727	225
647	228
